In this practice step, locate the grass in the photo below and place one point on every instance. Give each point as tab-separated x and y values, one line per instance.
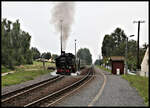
21	76
4	69
35	65
141	85
103	68
24	73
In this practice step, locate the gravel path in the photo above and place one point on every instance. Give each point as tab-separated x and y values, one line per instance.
84	95
3	74
117	92
11	88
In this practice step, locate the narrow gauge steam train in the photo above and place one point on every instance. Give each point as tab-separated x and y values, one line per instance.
66	64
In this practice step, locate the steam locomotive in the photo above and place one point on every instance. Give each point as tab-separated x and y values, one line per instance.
67	64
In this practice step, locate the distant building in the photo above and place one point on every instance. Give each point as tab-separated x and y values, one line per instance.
145	64
117	63
51	60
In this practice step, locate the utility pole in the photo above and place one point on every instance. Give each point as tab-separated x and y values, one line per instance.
61	21
138	63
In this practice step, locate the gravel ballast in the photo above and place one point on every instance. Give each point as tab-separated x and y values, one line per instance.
41	78
117	92
11	88
43	91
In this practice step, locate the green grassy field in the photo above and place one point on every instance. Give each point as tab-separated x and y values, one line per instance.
24	73
4	69
19	77
141	85
35	65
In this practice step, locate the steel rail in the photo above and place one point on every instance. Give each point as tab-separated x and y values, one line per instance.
70	92
61	91
32	87
24	88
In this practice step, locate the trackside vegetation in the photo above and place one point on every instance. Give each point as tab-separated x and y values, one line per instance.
25	73
141	85
21	76
4	69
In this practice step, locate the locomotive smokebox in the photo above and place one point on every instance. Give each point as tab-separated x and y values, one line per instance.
62	52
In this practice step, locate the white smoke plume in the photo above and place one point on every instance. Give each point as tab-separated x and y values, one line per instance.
63	11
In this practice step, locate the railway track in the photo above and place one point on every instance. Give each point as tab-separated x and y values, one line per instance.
17	92
56	96
47	93
6	98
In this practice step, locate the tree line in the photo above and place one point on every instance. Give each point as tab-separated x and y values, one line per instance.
114	45
46	55
15	44
15	48
85	55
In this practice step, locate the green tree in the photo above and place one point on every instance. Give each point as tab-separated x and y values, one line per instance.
54	56
15	44
46	55
84	54
35	53
108	45
132	53
114	44
98	62
43	55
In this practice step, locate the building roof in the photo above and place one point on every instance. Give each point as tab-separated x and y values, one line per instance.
117	58
145	58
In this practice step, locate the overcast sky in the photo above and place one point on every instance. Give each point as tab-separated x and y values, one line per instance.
92	20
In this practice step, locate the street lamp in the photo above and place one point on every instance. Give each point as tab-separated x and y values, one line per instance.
75	47
75	55
126	65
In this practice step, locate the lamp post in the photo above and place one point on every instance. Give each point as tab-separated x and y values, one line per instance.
75	47
75	55
126	51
